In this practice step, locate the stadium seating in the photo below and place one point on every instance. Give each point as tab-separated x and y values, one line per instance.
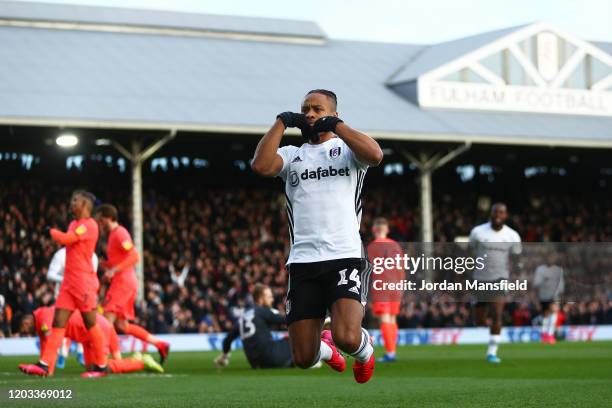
204	248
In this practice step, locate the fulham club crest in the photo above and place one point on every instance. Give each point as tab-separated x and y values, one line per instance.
334	153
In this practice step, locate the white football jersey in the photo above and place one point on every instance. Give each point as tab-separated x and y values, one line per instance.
548	281
55	273
323	191
495	247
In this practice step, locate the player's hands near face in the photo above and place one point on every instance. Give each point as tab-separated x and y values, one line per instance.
296	120
326	124
291	119
222	360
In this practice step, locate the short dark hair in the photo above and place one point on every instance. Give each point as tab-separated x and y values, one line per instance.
107	211
379	221
327	93
85	194
258	291
499	204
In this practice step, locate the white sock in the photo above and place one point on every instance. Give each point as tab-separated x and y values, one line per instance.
325	352
365	350
552	323
64	349
493	342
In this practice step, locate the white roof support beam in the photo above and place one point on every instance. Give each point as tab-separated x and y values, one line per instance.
486	73
602	84
527	65
568	68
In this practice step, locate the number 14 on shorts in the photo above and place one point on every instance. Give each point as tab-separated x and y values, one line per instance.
354	276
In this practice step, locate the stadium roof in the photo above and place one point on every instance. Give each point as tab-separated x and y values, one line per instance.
433	56
102	18
84	66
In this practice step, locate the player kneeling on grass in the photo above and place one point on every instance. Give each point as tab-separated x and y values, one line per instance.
253	328
76	331
327	265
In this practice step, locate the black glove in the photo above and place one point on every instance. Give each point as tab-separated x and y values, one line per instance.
290	119
297	120
326	124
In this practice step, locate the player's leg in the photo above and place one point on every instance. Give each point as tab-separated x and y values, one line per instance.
278	355
63	353
48	355
395	328
89	356
64	306
80	354
386	313
54	342
119	306
135	364
552	322
305	314
545	321
350	337
124	326
127	365
97	340
305	340
346	286
346	317
495	332
480	313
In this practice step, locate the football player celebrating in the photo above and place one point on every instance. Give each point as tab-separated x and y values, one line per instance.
327	265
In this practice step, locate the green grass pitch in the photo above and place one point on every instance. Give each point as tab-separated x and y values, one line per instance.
531	375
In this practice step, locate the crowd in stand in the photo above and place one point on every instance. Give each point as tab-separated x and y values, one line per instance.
205	248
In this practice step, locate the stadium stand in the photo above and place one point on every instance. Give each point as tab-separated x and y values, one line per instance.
205	248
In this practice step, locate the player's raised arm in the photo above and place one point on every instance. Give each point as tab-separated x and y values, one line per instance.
366	149
267	162
63	238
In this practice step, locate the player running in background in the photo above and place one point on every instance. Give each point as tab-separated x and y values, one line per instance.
55	274
328	269
79	290
120	297
496	242
549	283
76	331
253	328
386	304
